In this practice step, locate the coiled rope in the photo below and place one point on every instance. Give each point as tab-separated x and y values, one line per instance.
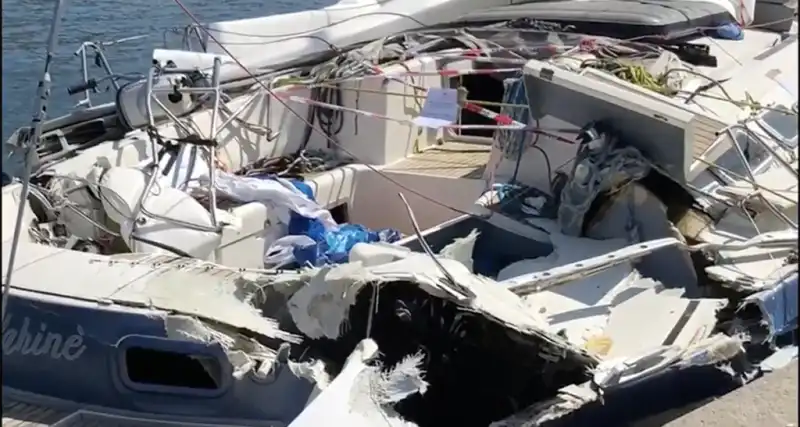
600	166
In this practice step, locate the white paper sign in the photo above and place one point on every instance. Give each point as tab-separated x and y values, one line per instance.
440	108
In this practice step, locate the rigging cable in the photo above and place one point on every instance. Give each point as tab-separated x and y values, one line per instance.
331	121
331	139
514	144
347	66
299	116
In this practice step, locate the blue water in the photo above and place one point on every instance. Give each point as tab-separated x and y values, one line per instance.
26	24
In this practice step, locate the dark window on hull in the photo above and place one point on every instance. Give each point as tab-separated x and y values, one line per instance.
171	369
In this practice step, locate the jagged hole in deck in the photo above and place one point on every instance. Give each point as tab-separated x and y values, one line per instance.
478	370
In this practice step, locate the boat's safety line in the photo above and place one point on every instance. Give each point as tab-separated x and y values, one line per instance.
309	101
504	121
327	137
415	96
445	72
512	127
500	119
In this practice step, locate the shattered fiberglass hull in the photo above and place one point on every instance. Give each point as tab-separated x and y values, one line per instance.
68	354
680	387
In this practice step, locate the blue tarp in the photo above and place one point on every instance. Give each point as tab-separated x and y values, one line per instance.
729	31
333	247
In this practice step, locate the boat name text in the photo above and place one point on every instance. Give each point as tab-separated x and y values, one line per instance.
25	342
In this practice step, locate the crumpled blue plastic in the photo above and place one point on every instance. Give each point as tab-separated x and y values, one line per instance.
333	246
729	31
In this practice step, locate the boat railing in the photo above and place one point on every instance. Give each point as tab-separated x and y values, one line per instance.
775	156
772	146
210	159
777	151
28	146
772	129
97	50
190	34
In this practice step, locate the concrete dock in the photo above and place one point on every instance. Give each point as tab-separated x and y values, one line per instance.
770	401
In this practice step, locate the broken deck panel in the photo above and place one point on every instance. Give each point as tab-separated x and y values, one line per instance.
450	160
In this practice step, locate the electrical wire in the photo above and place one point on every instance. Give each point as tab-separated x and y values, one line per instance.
344	67
332	121
299	116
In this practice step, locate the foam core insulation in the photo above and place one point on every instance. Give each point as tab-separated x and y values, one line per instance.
461	249
478	369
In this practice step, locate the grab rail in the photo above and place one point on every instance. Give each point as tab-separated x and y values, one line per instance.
211	160
774	155
100	60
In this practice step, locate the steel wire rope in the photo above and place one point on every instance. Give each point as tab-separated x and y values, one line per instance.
300	116
419	31
345	67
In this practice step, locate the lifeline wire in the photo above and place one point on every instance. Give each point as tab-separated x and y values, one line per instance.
303	119
332	140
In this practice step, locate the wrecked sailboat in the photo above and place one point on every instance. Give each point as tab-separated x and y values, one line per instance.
577	234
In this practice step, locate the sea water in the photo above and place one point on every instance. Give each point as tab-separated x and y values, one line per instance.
26	24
